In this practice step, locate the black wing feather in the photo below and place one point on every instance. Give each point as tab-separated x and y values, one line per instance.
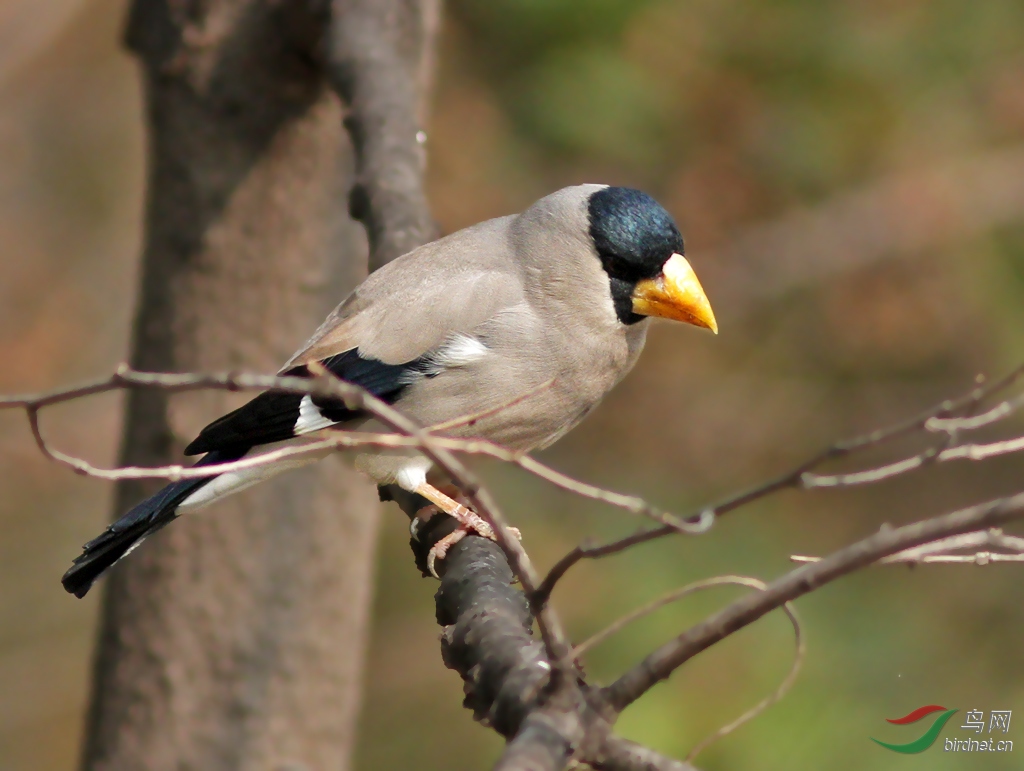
271	416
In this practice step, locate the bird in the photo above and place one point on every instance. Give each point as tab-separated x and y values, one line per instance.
525	321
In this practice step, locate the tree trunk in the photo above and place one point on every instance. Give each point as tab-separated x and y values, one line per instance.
234	639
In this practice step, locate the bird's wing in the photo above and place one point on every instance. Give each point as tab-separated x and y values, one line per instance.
416	302
385	335
275	416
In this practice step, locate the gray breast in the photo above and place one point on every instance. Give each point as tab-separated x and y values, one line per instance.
528	383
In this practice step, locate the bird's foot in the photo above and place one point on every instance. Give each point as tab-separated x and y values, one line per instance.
470	523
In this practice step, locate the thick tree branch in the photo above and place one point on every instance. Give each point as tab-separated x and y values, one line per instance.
487	636
511	683
623	755
374	52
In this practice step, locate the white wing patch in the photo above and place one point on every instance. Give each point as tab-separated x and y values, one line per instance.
458	350
310	418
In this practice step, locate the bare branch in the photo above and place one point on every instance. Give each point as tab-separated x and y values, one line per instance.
556	716
631	503
692	588
809	481
487	636
510	682
997	413
983	451
662	662
125	378
623	755
328	386
933	420
657	604
801	477
940	551
926	457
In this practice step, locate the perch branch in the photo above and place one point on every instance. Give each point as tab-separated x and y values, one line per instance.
511	683
623	755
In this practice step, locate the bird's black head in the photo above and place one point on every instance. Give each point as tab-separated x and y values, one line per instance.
634	237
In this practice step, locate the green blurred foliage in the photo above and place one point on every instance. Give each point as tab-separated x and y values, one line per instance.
736	114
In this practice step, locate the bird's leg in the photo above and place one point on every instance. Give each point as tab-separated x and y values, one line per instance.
469	522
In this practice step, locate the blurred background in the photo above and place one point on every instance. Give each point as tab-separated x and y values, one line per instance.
849	177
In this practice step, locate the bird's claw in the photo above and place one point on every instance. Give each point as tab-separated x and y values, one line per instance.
474	525
468	522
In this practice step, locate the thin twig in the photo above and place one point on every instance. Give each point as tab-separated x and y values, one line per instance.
692	588
630	503
337	439
809	481
997	413
939	552
983	451
929	456
780	691
662	662
657	604
801	477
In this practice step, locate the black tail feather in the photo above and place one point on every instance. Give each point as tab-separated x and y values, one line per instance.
131	529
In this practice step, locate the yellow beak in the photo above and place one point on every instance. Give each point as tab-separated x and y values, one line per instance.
675	294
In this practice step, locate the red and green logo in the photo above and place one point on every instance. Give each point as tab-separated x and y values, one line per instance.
925	740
